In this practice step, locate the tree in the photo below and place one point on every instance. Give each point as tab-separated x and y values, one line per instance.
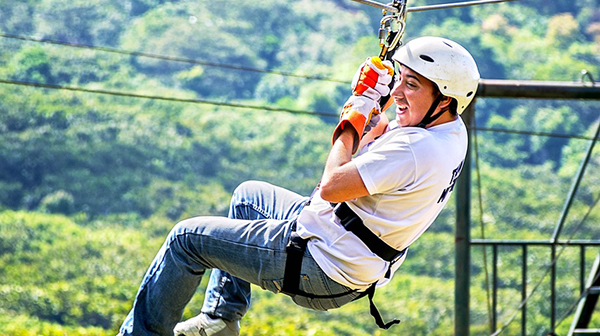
80	21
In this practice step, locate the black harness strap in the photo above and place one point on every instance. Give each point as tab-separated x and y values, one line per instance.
428	118
295	252
375	313
352	222
293	265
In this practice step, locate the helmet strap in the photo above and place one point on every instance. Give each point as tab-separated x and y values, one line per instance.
429	117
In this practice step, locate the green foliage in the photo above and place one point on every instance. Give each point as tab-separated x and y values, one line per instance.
59	202
60	274
91	184
81	21
120	154
32	64
17	16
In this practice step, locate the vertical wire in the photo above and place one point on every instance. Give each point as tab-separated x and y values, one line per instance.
480	200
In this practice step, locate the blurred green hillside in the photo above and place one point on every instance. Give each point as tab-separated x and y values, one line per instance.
90	184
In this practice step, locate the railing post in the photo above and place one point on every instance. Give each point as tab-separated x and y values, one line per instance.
524	290
552	288
581	269
463	238
494	287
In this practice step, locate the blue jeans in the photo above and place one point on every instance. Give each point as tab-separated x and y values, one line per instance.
247	247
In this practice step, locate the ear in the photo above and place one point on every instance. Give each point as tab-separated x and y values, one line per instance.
445	103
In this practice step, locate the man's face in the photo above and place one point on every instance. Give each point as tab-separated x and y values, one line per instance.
413	95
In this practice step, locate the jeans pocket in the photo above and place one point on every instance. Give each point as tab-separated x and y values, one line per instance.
323	303
307	286
275	286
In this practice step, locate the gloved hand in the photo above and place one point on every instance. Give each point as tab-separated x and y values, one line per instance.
372	78
372	123
356	113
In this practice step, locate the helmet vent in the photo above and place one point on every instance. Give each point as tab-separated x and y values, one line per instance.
426	58
469	94
448	44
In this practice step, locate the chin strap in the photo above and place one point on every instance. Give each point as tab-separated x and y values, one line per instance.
429	118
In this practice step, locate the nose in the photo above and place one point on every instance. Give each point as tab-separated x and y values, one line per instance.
397	89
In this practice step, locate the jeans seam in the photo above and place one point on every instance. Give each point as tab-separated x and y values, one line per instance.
253	207
176	236
153	273
220	296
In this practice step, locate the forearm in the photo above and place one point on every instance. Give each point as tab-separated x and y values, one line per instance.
341	180
340	154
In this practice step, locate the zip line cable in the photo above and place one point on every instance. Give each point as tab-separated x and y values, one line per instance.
167	58
238	105
172	99
538	284
393	9
234	67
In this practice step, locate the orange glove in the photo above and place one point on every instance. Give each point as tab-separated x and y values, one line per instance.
373	78
357	113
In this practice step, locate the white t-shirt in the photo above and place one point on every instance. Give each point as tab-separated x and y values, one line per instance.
409	173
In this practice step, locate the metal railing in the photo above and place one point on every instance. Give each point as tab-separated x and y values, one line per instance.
524	244
463	241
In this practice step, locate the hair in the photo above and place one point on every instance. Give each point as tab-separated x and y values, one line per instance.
453	107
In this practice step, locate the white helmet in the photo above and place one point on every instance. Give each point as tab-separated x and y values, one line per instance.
444	62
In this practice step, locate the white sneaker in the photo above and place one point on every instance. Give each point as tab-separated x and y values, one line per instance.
204	325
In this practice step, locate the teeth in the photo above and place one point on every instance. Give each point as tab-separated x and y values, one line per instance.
400	105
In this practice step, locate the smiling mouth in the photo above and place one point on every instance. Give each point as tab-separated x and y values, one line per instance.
400	109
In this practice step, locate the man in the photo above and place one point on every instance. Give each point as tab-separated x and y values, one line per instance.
353	232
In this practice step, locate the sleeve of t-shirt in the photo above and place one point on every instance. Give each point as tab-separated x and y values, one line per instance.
387	167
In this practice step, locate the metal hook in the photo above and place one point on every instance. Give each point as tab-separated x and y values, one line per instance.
391	27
